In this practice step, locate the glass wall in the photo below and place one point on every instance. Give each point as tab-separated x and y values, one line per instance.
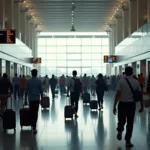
63	55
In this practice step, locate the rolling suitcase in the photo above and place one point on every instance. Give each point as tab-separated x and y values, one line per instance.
25	119
45	102
68	111
56	91
9	119
86	98
93	104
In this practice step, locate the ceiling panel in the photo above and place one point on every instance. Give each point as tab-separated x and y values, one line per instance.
55	15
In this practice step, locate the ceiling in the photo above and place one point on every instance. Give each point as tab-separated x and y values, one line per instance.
55	15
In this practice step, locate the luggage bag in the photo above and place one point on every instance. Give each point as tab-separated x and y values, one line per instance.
45	102
9	119
86	98
68	111
25	119
93	104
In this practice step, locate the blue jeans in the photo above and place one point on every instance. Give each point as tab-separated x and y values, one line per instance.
22	90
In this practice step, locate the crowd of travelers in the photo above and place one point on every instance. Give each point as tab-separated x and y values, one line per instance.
33	89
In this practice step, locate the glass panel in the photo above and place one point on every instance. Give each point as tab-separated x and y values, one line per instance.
43	56
73	49
61	49
50	56
43	64
51	63
96	63
41	41
105	49
86	41
74	63
51	41
86	56
61	71
41	49
51	70
73	56
51	49
71	69
61	56
87	71
105	41
61	63
73	41
86	63
61	41
86	49
96	49
96	56
96	41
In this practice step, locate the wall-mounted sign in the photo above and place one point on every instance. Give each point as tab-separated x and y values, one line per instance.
110	59
8	36
35	60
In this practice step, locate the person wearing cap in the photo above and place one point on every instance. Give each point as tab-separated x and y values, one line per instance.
5	87
34	91
127	105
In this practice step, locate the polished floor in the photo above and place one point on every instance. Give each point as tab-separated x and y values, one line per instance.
91	131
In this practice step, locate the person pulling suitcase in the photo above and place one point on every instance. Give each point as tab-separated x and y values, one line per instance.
34	90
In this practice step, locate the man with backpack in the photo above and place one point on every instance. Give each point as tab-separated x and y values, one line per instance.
75	88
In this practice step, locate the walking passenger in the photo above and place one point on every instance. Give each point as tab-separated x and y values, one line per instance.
141	80
34	91
100	87
5	88
127	105
22	86
92	83
46	84
85	83
16	84
53	84
62	85
75	89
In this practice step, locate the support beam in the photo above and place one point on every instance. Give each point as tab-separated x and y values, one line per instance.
2	14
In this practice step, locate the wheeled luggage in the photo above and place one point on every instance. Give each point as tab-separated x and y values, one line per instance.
86	98
25	117
56	91
68	111
93	104
45	103
9	119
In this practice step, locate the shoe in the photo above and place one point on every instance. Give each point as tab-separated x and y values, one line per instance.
119	136
34	131
129	144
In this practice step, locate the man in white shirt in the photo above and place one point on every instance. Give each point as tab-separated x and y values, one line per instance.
75	88
127	105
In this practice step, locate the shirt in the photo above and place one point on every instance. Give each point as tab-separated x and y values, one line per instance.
16	80
53	82
92	81
85	82
141	80
71	84
23	83
125	91
34	89
5	86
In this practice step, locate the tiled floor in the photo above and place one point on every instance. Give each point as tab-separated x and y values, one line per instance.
91	131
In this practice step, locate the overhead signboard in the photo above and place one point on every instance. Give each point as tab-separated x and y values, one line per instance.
8	36
109	59
35	60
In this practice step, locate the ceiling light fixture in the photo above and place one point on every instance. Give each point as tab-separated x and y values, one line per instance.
73	11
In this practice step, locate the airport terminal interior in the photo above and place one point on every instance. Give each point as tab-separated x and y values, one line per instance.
91	37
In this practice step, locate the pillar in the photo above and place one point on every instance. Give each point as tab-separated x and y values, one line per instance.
8	68
134	68
27	33
15	68
23	26
2	14
17	19
30	32
0	67
9	14
141	12
148	10
36	45
132	16
125	8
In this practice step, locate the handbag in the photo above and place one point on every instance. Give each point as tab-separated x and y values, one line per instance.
136	94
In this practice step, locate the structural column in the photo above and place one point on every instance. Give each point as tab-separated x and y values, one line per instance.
148	10
142	12
27	33
15	68
23	26
2	14
8	68
9	14
17	19
125	8
133	16
30	32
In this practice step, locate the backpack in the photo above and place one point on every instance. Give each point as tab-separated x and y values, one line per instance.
77	85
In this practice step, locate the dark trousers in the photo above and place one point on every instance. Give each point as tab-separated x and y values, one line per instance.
16	90
142	86
22	90
75	100
34	106
53	92
126	112
100	98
